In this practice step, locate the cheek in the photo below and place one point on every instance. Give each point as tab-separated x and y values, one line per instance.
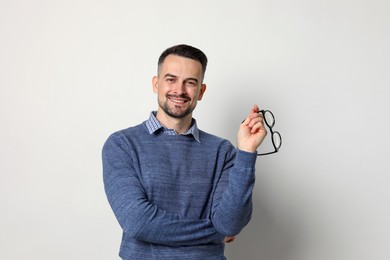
162	89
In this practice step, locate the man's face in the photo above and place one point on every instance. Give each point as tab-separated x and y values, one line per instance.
178	86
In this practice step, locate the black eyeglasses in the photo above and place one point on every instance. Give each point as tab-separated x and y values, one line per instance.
276	138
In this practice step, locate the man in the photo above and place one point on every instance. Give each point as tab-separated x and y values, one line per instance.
179	192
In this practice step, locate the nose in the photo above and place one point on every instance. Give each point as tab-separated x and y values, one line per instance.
179	88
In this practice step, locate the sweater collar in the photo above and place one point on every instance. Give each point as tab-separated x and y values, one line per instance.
154	125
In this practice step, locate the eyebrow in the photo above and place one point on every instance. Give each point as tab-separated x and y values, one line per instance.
170	75
174	76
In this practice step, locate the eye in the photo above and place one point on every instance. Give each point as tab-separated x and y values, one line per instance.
191	83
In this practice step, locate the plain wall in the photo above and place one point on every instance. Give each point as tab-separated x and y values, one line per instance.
72	72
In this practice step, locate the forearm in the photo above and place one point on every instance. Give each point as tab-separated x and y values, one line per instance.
233	207
138	217
144	221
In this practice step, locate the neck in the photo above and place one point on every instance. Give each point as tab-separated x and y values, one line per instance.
180	125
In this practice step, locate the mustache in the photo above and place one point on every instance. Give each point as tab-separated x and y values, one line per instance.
182	96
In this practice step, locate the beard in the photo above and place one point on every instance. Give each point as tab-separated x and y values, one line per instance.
172	112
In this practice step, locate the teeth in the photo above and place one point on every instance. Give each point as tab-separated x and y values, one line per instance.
178	100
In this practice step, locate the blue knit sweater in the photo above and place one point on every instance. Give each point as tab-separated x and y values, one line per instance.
175	197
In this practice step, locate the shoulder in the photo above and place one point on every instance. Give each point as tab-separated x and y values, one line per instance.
212	138
131	131
216	141
128	135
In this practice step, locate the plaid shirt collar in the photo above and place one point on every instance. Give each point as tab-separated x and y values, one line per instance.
154	125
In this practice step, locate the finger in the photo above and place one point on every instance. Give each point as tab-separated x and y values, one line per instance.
254	113
258	127
257	122
255	119
246	121
229	239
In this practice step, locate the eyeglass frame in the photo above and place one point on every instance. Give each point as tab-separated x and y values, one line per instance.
272	132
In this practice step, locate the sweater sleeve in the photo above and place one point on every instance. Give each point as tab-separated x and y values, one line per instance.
232	201
137	216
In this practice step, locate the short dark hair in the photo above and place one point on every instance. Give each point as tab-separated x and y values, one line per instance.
185	51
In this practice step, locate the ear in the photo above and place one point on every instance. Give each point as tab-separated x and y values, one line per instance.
155	84
201	91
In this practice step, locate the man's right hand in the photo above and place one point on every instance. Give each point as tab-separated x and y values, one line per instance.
252	131
229	239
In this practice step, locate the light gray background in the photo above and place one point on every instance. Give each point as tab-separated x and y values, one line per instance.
72	72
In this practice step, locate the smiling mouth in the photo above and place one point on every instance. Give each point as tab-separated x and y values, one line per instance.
178	100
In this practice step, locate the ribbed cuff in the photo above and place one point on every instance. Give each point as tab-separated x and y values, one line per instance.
245	159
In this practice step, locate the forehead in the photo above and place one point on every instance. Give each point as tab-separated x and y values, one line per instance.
181	66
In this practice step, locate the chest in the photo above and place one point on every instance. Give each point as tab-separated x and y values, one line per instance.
180	179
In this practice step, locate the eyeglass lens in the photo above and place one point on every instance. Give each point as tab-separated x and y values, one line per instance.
277	139
269	118
270	121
